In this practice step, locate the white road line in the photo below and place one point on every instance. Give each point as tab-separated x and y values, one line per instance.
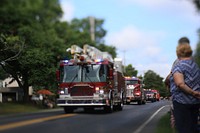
146	122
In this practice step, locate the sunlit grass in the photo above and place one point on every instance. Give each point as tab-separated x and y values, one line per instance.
164	125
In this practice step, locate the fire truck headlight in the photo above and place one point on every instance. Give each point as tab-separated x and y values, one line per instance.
62	92
137	93
97	89
101	91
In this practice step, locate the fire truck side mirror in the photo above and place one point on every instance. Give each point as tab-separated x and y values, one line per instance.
58	75
110	73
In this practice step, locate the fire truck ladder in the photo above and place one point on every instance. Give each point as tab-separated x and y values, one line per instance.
89	53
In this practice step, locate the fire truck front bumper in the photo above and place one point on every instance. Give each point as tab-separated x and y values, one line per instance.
81	101
133	98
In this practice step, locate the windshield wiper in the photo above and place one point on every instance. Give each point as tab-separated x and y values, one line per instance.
73	80
86	76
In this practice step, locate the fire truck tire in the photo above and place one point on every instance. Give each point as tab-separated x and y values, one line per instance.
144	101
153	100
109	109
120	106
68	109
139	102
88	109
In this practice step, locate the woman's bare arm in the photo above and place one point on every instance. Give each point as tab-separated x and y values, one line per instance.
179	81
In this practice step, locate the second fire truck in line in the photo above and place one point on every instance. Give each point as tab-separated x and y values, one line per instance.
135	91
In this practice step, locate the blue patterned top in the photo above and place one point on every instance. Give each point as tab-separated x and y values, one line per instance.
191	73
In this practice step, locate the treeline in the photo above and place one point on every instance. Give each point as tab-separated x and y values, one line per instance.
33	39
197	50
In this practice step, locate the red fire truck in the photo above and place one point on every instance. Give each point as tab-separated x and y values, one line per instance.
135	91
91	79
150	95
157	94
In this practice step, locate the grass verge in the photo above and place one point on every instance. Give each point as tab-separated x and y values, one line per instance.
14	108
164	125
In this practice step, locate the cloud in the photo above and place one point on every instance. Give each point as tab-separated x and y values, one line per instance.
184	9
131	38
68	10
141	49
161	69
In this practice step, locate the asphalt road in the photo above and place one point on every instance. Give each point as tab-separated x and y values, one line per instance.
133	119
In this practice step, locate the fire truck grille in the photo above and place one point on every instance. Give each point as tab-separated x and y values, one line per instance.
129	92
82	91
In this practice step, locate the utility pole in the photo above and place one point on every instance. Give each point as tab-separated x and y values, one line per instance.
124	52
92	28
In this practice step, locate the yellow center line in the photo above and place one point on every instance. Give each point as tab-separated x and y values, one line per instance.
29	122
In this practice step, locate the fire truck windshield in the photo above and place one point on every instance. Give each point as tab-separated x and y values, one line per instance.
131	82
85	73
70	74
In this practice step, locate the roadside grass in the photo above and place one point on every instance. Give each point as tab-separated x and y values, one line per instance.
14	108
164	125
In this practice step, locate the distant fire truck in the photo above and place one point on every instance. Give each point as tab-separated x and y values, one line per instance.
135	91
157	94
91	79
152	95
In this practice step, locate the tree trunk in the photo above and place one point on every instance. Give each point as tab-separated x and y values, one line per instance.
25	87
26	97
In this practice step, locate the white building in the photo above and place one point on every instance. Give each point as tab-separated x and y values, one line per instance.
8	82
10	91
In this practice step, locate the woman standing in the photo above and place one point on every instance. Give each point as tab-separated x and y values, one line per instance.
185	90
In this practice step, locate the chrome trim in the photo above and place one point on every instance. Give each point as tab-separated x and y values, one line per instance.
92	104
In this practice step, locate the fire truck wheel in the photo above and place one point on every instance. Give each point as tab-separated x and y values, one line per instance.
144	102
68	109
139	102
88	109
109	109
120	106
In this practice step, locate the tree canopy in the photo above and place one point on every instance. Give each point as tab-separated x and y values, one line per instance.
197	50
33	39
130	71
154	81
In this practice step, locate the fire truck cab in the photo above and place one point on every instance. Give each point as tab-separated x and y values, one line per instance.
91	79
135	91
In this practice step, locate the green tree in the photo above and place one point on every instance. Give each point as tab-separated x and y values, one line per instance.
78	32
28	25
197	50
130	71
33	39
154	81
197	53
197	4
3	74
83	26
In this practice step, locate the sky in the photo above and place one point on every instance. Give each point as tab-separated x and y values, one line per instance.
145	32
